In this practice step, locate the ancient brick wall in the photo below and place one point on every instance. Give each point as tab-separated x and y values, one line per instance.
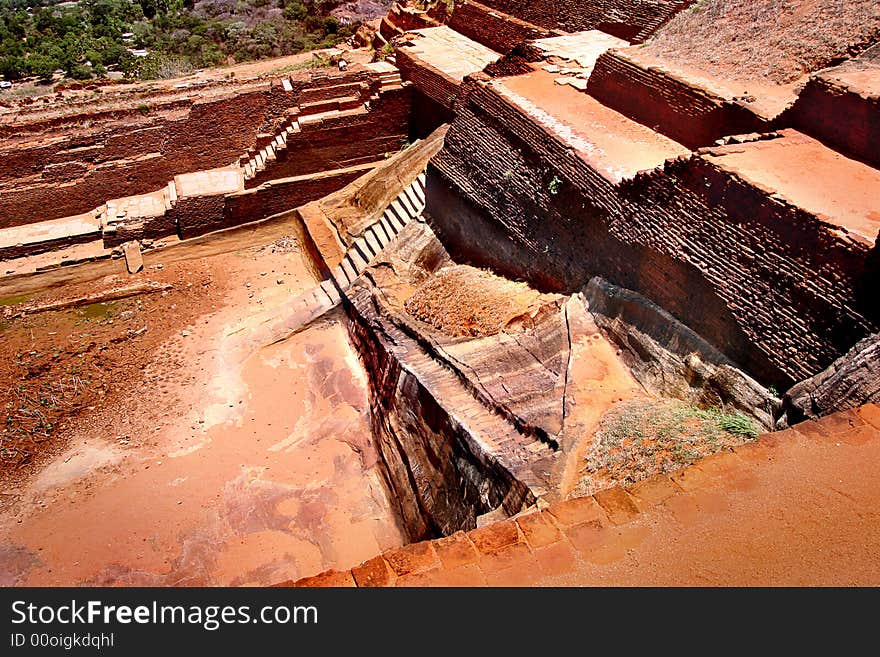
62	176
633	20
840	116
431	81
351	138
284	194
501	33
770	286
402	19
72	175
688	114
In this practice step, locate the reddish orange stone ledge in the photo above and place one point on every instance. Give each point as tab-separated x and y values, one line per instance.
546	543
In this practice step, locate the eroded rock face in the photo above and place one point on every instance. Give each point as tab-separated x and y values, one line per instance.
670	359
850	381
447	458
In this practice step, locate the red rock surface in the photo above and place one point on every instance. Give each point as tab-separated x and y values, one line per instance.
794	508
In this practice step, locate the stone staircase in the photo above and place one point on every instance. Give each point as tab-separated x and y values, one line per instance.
311	305
407	206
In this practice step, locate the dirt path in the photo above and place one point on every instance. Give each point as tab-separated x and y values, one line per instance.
213	466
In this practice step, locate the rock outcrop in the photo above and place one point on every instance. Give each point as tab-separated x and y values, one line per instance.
669	359
850	381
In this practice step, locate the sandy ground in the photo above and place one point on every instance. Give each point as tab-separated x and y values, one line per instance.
207	464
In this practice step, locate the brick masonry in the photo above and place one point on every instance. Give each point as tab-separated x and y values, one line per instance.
500	32
633	20
776	289
839	114
132	152
669	104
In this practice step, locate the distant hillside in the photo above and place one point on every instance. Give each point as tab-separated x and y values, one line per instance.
165	38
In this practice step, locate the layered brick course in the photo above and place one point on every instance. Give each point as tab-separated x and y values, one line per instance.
841	107
633	20
681	109
780	291
498	31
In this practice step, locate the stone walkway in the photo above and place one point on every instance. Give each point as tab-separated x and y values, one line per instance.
796	507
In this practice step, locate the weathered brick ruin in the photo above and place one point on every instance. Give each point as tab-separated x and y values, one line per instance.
534	220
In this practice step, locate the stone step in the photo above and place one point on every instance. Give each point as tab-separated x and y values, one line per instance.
394	221
341	277
414	200
381	231
359	259
386	226
330	290
372	242
285	83
408	205
401	212
350	273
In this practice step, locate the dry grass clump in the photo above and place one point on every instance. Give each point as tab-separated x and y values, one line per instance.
777	40
643	437
463	301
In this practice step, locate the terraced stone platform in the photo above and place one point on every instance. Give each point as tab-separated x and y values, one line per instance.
613	144
840	191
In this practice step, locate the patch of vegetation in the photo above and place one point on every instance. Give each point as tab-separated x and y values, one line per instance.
642	437
554	185
315	62
384	52
14	300
92	37
737	424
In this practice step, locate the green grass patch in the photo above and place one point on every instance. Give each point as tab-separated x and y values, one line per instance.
14	300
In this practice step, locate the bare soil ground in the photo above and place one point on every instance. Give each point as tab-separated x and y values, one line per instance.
183	454
777	40
58	366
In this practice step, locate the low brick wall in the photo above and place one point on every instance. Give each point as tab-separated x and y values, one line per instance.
633	20
403	19
843	117
430	81
134	151
500	32
679	109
